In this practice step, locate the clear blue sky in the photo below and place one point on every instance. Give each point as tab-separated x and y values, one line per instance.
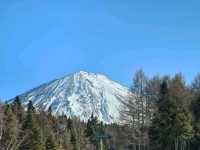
41	40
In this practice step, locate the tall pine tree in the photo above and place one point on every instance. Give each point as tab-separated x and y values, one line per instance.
95	131
32	132
171	127
50	143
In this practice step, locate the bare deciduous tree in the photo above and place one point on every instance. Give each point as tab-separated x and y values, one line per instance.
138	109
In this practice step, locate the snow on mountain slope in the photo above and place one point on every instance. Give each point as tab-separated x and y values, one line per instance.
80	94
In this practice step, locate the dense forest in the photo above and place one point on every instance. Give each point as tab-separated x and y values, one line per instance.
160	113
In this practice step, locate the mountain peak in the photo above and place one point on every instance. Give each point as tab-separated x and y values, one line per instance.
83	72
80	94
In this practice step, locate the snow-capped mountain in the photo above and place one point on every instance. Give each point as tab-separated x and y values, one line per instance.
80	94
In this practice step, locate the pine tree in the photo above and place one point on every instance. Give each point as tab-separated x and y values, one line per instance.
95	131
29	120
69	124
196	112
92	129
50	111
171	127
31	131
50	143
17	108
74	140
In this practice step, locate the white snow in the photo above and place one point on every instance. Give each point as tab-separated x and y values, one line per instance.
80	94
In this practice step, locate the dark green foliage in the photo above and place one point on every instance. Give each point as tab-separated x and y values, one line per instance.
95	131
163	89
30	107
50	143
49	111
29	120
16	104
196	112
17	108
69	124
196	109
74	140
171	126
32	131
91	129
73	134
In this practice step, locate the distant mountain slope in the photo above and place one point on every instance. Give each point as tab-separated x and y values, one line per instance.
80	94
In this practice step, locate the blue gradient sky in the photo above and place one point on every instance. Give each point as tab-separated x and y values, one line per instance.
44	40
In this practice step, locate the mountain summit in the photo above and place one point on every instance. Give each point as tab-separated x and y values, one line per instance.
80	94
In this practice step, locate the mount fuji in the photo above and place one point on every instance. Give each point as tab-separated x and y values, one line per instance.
80	95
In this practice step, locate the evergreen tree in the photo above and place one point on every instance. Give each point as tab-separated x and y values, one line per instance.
50	111
171	127
50	143
95	131
69	124
17	108
73	134
17	103
91	129
74	140
30	108
196	112
32	132
196	109
29	120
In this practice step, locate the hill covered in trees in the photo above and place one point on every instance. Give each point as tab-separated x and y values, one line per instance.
31	130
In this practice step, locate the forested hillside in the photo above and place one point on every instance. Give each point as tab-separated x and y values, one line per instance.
31	130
